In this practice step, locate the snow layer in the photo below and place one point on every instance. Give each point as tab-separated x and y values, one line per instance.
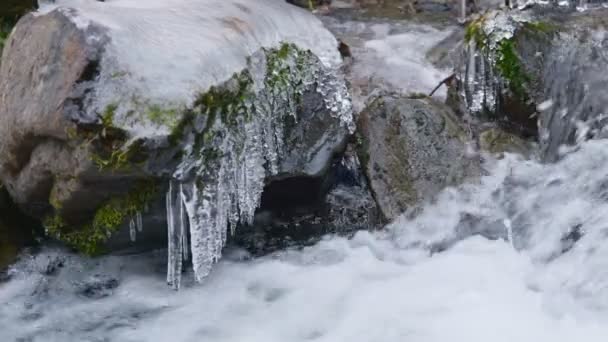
374	287
165	52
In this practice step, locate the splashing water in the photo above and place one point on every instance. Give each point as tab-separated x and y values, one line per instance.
435	277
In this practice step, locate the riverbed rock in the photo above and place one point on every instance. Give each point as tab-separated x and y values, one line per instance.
94	122
539	73
411	148
498	141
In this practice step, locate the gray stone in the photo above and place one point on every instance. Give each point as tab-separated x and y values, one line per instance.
410	150
497	141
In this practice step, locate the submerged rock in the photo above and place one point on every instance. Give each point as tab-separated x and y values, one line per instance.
411	148
211	101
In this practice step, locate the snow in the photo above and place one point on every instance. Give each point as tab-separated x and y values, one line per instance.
165	52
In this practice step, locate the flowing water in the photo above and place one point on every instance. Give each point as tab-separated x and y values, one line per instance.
517	256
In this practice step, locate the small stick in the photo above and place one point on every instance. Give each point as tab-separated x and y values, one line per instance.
446	81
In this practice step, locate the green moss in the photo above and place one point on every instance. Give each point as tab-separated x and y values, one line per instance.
166	117
107	117
417	95
511	69
541	26
108	218
474	33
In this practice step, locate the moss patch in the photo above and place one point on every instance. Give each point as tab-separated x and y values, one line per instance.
108	218
541	26
474	33
511	69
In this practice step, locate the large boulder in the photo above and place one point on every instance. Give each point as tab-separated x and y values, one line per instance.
411	148
540	72
105	104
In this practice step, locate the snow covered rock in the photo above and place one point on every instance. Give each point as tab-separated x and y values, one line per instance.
106	105
411	149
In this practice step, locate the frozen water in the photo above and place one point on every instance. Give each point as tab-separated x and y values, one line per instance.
221	181
386	286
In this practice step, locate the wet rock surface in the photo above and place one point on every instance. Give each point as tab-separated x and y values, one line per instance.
411	148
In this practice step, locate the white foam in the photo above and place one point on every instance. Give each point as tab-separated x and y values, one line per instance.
374	287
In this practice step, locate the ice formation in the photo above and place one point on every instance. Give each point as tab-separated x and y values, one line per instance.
163	57
482	85
219	183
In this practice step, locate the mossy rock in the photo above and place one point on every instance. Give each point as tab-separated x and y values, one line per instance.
498	142
410	149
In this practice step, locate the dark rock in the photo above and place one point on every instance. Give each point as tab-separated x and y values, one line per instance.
98	287
498	141
16	230
298	212
411	149
309	4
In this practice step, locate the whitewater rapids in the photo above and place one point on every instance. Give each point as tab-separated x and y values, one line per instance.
387	286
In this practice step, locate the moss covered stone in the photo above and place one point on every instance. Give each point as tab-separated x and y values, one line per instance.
511	68
108	219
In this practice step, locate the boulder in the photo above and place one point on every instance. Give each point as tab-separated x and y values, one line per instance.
207	102
539	73
411	148
498	141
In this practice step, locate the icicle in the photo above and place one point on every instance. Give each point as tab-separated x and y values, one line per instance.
182	222
140	224
174	260
132	231
221	189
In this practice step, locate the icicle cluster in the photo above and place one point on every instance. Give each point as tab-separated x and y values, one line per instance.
220	182
579	5
482	84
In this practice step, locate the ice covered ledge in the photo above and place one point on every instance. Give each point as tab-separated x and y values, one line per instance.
168	51
210	99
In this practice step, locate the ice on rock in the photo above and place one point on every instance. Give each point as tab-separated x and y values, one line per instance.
165	52
220	182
